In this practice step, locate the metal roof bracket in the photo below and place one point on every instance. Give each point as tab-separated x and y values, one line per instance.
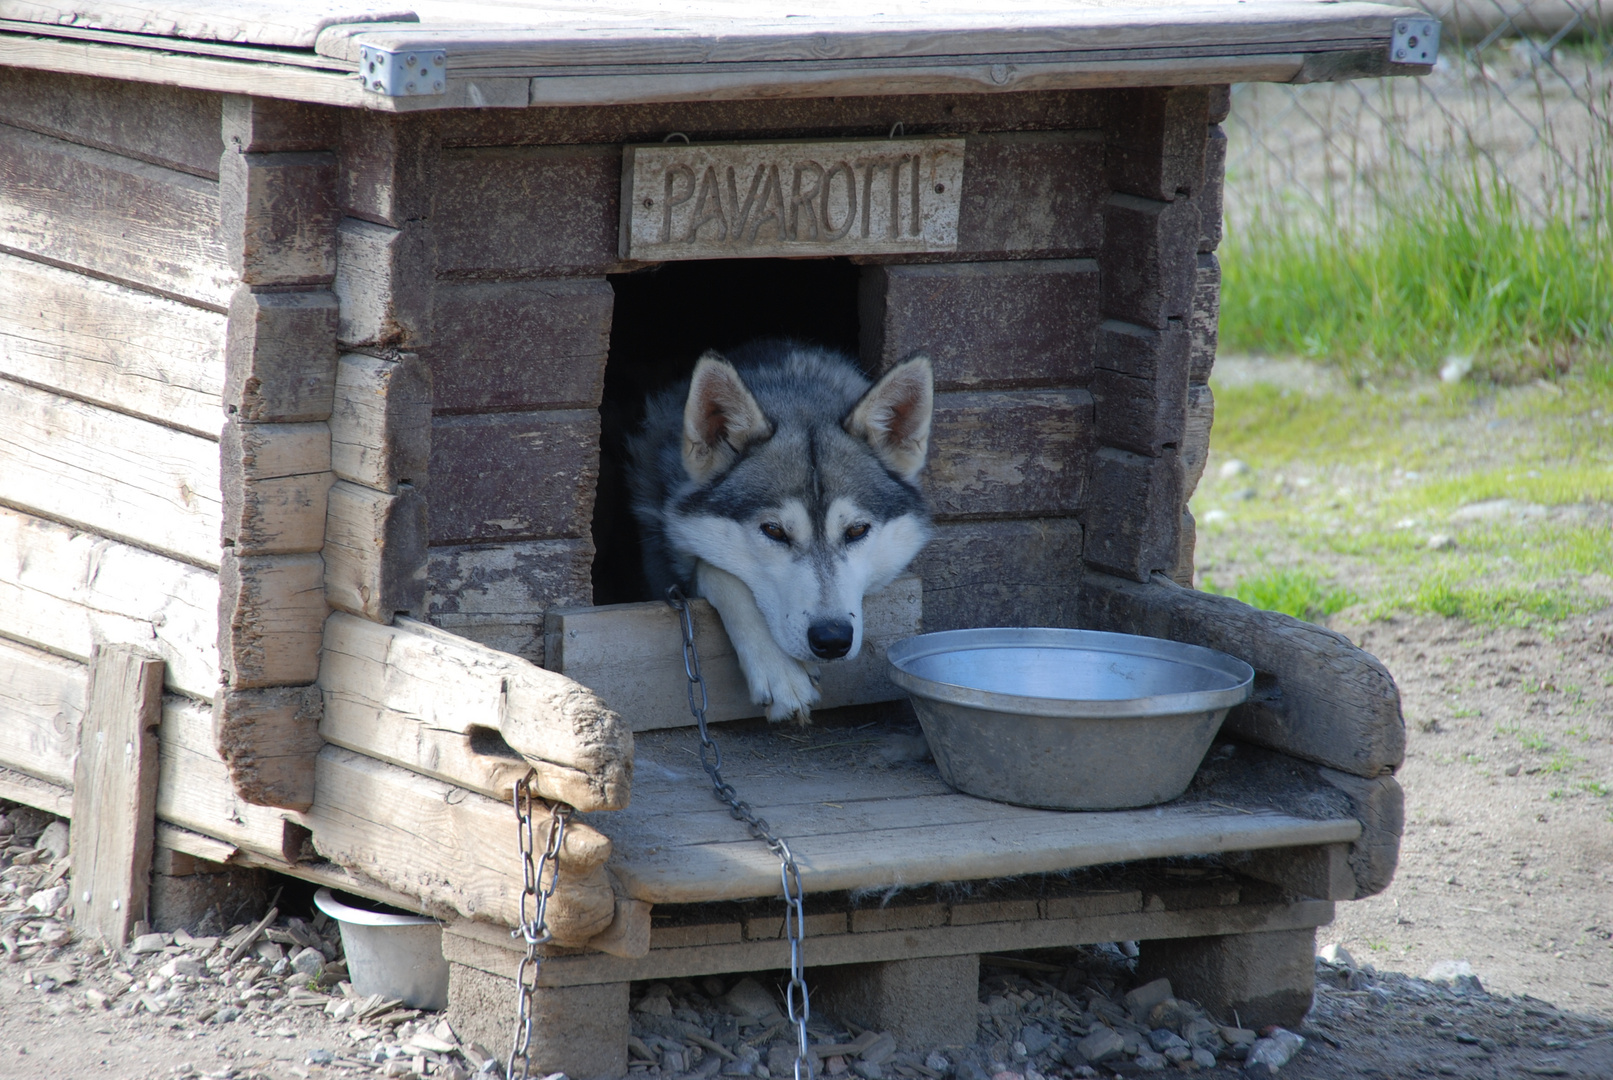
1415	41
405	73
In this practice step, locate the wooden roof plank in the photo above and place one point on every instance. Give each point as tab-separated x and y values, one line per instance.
293	24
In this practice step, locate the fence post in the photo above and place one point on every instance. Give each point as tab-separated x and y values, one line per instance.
115	793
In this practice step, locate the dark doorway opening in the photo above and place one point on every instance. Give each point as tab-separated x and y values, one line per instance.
665	318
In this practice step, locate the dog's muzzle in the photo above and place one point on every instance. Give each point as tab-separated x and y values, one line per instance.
830	640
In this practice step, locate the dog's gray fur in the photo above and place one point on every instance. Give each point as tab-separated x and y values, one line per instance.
781	485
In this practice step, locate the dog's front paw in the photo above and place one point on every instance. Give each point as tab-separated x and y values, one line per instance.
787	688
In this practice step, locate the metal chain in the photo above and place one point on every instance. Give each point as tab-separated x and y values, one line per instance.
534	928
796	1002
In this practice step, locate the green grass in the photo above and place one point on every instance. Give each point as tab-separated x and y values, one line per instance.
1292	592
1461	269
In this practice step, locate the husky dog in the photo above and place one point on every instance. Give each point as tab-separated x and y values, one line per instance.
781	486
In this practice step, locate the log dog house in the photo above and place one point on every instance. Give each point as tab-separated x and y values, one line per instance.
318	322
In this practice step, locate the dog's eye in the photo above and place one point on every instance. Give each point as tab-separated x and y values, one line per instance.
774	531
857	531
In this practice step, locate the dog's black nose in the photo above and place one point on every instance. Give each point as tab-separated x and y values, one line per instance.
830	640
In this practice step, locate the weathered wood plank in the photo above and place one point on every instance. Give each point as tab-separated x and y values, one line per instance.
383	279
65	590
530	210
375	551
195	792
1009	453
41	794
293	24
987	325
115	793
276	480
1322	872
631	655
380	429
127	220
1133	516
776	118
1205	321
1380	804
41	706
112	345
165	125
394	691
118	475
895	196
253	125
1316	697
449	847
281	355
497	593
1196	437
1001	573
279	216
271	616
388	165
269	737
506	346
513	476
475	947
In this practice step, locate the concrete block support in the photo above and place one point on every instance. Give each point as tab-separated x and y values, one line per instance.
922	1003
1263	978
202	896
578	1030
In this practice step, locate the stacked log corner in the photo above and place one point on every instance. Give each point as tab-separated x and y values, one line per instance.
278	221
1155	164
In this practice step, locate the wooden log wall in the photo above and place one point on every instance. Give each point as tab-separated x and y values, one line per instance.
278	177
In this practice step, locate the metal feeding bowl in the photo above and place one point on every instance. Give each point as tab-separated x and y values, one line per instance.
1067	719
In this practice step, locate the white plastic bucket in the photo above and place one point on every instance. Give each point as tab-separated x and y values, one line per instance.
397	956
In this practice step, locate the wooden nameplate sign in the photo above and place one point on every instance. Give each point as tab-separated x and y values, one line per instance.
796	198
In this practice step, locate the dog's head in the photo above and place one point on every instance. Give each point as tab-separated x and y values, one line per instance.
810	504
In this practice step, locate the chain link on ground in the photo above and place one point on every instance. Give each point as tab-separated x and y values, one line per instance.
797	1004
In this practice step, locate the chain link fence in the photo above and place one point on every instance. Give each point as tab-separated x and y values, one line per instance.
1522	96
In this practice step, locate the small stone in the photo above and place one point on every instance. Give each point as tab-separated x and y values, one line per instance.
1017	1048
1455	368
654	1006
1148	1061
53	841
1203	1058
309	962
228	1014
96	999
1201	1032
147	943
747	998
1236	1036
1162	1039
46	901
54	934
1177	1054
880	1050
835	1065
320	1057
1007	1074
1172	1014
183	965
1337	955
1515	768
268	950
1102	1044
1234	468
1274	1051
1441	542
868	1070
1035	1039
938	1062
1141	1001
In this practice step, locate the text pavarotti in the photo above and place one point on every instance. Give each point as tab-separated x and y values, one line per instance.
752	200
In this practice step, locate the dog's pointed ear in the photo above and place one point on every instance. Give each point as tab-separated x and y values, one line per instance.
894	416
720	417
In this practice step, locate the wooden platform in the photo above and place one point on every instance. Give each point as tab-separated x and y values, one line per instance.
1139	903
858	821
